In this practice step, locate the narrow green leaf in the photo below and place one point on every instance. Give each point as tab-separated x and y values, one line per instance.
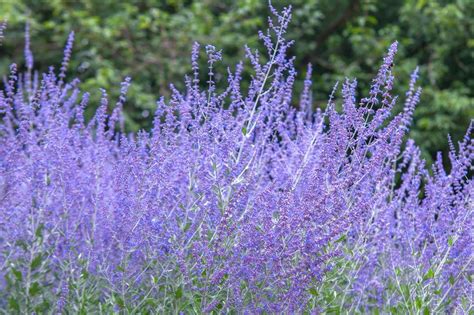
398	271
418	302
451	280
35	289
186	227
341	239
36	262
84	274
450	241
39	231
429	274
17	274
179	293
120	302
13	304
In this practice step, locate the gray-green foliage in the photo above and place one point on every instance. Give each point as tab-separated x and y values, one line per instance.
33	286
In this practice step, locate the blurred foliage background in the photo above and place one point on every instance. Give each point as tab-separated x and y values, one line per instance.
150	40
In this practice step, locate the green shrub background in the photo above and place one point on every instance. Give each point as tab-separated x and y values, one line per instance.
151	40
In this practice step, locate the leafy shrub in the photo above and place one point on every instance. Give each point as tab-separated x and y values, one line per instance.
149	40
235	200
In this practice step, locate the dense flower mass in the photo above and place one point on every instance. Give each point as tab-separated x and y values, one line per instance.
236	200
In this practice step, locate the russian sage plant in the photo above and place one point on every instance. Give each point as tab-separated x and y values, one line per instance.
236	201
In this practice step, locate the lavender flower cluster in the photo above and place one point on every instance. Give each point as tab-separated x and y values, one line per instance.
236	200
